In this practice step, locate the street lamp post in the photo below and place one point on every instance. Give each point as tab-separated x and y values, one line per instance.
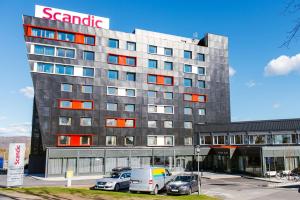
197	149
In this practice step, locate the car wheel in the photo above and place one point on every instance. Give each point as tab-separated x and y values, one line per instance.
155	191
117	187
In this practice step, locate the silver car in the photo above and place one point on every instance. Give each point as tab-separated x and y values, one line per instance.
117	181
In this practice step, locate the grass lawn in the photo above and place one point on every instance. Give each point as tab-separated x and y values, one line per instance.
83	193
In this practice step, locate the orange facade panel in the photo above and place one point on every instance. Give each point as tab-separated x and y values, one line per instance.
122	60
79	38
120	123
160	80
195	98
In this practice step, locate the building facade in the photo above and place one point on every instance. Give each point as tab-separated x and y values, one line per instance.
105	98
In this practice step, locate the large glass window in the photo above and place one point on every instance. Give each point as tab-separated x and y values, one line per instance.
113	74
187	54
130	76
65	104
168	52
282	139
202	98
65	87
130	92
85	140
201	70
201	84
66	53
70	37
88	72
200	57
111	140
129	107
129	123
152	63
168	66
220	139
188	125
87	105
152	140
168	95
64	69
257	139
187	97
152	124
129	140
152	49
112	106
188	141
168	124
168	110
168	80
188	111
45	67
42	33
85	121
88	55
131	46
187	68
89	40
88	89
111	122
112	90
113	59
151	79
44	50
187	82
130	61
236	139
152	109
206	139
169	140
151	94
64	140
201	111
113	43
65	121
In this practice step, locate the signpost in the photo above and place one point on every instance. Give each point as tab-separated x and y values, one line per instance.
15	168
197	149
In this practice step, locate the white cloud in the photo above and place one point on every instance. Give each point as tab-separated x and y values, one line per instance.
2	118
232	71
276	105
283	65
27	91
251	84
19	129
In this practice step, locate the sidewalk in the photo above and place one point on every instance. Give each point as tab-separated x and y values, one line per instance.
75	178
275	182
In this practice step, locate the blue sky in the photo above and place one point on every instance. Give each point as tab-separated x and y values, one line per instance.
255	29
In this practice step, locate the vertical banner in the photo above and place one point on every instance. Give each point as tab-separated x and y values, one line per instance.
15	168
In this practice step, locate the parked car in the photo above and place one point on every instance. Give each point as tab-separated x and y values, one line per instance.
117	181
183	184
121	169
149	179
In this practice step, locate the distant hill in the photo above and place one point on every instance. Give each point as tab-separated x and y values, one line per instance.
4	144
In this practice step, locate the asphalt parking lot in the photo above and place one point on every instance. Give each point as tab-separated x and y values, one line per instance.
227	188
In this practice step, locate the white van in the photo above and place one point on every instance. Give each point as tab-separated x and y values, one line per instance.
150	179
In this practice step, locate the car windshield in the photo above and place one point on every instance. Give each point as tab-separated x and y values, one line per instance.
183	178
115	175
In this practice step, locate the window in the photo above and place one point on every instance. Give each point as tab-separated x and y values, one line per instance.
202	98
113	43
151	79
85	140
130	92
64	87
201	111
87	105
44	50
257	139
188	111
65	121
220	139
187	68
187	54
66	53
131	46
112	90
168	52
200	57
168	80
152	63
168	124
187	82
152	140
65	104
113	59
152	109
111	122
130	76
88	72
282	139
168	66
70	37
64	69
188	125
205	139
168	109
129	123
187	97
112	106
129	107
152	124
111	140
236	139
113	74
64	140
169	141
88	55
129	140
89	40
42	33
168	95
88	89
45	67
188	141
152	94
152	49
201	71
85	121
130	61
201	84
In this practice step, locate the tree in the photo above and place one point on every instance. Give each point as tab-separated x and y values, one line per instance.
292	8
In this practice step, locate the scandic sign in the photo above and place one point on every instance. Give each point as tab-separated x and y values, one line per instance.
71	17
